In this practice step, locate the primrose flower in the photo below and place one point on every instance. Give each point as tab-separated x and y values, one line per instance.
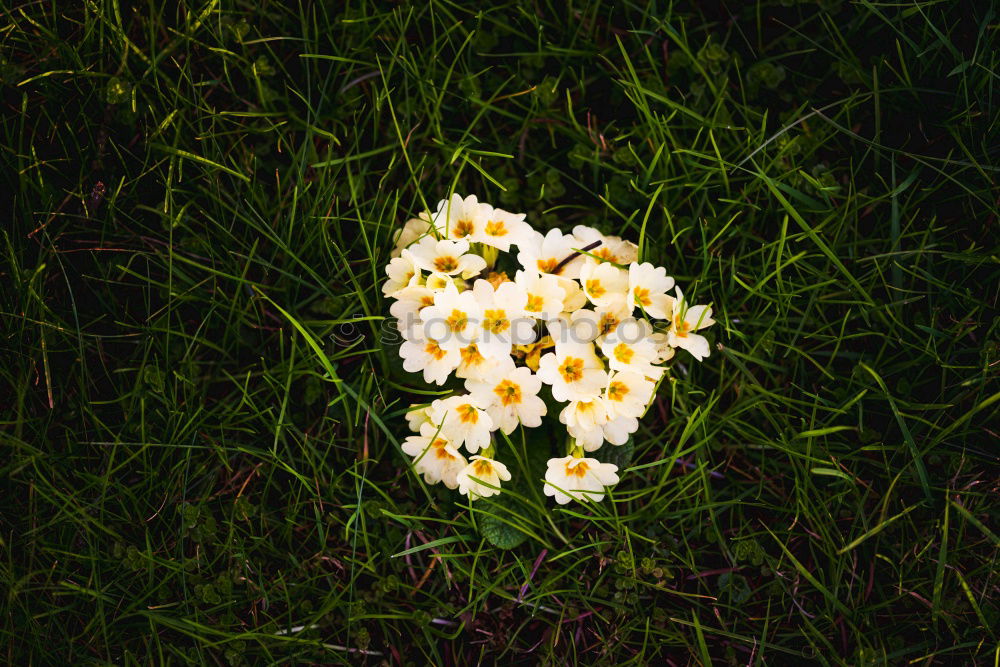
435	457
498	228
565	319
457	218
647	288
444	256
627	394
664	352
604	284
572	372
630	347
479	470
584	416
546	254
420	353
580	479
475	365
510	397
410	232
543	294
612	248
436	282
574	297
402	273
462	421
503	319
417	416
409	302
687	320
452	319
616	431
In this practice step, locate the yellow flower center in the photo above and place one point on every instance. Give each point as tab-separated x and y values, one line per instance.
495	320
445	263
439	449
426	301
437	281
496	228
471	355
497	278
508	392
595	289
434	350
457	320
467	413
607	323
571	369
605	254
547	265
617	391
623	353
641	295
681	327
482	468
464	228
579	470
534	304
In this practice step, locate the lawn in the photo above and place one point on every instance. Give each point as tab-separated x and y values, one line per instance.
202	402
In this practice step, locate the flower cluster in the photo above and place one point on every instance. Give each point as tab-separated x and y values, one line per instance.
577	318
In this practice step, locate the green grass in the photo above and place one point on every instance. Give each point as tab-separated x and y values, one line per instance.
200	416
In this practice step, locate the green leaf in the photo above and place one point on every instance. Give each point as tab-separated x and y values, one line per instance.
495	527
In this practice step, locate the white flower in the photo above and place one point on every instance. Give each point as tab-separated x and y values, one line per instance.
581	416
498	228
436	282
627	394
577	327
647	287
630	347
590	425
434	457
444	256
402	273
616	431
417	416
612	248
477	366
452	320
510	397
409	302
546	254
462	421
457	218
588	325
571	478
544	294
604	283
420	353
410	232
503	321
687	320
574	297
663	350
572	372
481	469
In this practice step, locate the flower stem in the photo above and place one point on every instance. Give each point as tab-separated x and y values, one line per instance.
576	254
